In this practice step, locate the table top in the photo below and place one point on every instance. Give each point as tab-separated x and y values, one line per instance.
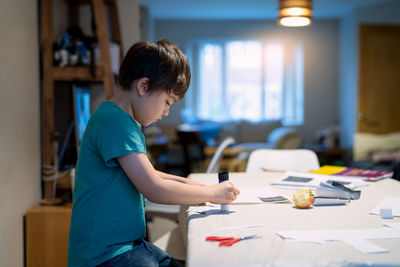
271	249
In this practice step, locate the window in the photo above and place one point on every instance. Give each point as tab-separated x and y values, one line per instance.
249	80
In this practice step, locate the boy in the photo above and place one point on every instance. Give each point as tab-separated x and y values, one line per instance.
113	173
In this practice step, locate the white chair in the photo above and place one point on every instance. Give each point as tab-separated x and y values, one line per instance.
217	157
302	160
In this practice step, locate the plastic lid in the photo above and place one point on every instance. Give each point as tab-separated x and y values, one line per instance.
223	176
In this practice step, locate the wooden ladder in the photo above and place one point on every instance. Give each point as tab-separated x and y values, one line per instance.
51	74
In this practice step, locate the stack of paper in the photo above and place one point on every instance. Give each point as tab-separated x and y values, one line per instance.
334	193
312	180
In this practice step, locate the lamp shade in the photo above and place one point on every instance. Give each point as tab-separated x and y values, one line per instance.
295	13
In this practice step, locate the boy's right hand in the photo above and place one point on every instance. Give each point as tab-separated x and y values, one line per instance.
224	193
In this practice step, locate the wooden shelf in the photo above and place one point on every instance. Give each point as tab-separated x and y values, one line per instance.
89	2
52	74
77	74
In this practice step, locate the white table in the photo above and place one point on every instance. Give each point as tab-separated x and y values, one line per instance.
271	249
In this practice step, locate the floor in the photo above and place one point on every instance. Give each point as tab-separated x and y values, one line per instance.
162	232
158	227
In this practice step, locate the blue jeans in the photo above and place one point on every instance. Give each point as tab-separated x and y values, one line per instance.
144	254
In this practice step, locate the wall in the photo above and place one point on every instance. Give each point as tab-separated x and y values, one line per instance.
20	151
377	14
348	78
19	123
128	13
320	43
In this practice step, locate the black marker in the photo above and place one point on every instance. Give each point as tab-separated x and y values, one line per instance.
222	177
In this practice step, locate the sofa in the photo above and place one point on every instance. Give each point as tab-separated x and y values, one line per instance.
377	151
264	134
182	156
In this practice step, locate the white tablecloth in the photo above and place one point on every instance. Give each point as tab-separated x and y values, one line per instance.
271	249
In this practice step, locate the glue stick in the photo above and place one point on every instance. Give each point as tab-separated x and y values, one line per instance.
222	177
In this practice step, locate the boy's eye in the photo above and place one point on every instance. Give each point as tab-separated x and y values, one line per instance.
168	104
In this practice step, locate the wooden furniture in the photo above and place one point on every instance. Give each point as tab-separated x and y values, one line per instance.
52	74
46	235
234	159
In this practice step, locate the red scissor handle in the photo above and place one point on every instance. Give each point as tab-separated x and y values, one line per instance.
229	242
218	238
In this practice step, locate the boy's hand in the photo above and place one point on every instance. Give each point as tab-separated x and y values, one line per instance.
191	182
224	193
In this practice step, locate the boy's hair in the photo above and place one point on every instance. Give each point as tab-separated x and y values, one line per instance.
166	67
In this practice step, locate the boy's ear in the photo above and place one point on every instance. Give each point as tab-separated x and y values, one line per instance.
142	86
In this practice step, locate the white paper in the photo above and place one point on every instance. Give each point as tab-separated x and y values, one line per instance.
207	209
394	225
316	179
354	237
318	201
388	202
249	195
241	226
364	245
327	190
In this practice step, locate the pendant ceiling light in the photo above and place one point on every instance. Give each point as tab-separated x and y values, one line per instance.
295	13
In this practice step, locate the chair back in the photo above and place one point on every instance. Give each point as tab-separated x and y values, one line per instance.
302	160
193	149
216	158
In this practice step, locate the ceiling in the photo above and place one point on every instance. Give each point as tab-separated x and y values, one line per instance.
244	9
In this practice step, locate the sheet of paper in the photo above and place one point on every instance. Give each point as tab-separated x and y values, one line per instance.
364	246
312	180
241	226
388	202
251	195
354	237
395	225
207	209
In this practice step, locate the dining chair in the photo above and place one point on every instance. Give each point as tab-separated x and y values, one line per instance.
193	150
215	162
302	160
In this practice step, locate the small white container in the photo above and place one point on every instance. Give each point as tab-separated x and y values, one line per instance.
386	213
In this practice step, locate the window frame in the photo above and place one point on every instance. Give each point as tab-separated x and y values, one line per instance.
194	55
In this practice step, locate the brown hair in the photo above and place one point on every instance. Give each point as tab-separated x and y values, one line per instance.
166	67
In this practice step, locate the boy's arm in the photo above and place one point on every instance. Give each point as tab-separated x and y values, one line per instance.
178	178
166	191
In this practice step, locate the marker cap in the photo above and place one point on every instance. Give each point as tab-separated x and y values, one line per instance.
223	176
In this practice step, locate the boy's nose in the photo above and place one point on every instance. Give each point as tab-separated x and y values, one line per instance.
166	112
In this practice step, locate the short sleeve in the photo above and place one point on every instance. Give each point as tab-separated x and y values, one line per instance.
119	135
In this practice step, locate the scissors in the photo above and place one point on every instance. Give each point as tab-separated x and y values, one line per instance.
228	241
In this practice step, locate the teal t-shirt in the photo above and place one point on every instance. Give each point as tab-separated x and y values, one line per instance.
108	210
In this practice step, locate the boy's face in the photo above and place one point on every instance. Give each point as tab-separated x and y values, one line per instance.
153	107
